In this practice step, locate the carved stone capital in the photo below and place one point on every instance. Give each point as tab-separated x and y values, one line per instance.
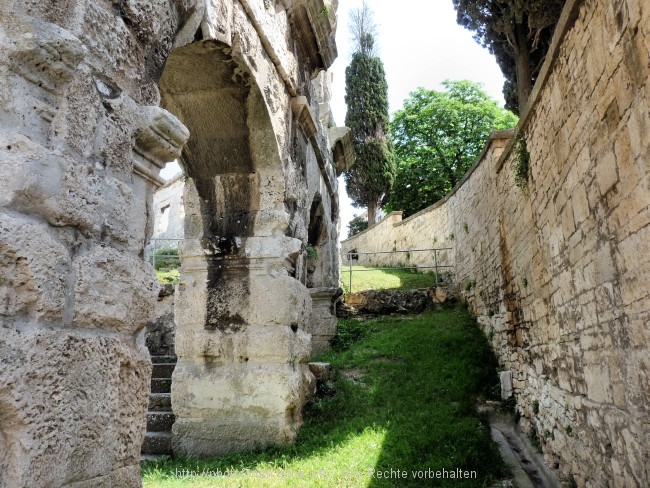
303	114
160	136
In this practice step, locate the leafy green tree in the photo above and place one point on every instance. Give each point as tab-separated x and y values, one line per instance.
356	225
518	33
366	95
436	138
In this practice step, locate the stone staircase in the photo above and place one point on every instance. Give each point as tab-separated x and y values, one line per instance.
158	439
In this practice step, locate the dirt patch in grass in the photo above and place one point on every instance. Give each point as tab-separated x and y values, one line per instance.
355	375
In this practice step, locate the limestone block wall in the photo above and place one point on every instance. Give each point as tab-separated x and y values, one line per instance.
81	142
557	272
168	211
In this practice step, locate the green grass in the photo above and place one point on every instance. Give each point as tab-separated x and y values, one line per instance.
167	263
368	278
402	397
168	275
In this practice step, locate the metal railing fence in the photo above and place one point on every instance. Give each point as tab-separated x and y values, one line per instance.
163	252
436	265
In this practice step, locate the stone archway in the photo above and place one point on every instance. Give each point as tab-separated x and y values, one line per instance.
241	349
82	142
317	237
321	276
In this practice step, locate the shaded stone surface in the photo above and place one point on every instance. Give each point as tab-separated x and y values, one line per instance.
82	141
160	332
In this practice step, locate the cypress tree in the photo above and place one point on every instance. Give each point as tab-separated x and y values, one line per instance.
371	177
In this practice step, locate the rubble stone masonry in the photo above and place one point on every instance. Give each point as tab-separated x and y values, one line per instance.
558	273
96	96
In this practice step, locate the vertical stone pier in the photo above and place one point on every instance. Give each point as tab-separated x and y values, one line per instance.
81	143
322	325
239	381
82	140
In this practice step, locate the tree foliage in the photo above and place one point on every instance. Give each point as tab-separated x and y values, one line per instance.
356	225
436	138
518	33
366	95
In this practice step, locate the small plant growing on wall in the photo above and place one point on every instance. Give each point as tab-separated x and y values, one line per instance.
522	163
466	227
311	252
469	285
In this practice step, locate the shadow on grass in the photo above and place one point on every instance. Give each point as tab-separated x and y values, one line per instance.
435	428
401	400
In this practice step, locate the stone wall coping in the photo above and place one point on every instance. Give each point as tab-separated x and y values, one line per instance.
396	214
494	136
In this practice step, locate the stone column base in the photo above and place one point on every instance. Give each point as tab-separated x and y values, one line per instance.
323	322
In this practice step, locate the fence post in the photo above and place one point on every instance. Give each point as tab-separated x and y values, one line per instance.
350	261
435	260
153	252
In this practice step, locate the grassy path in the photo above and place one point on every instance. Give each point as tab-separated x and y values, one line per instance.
369	278
398	410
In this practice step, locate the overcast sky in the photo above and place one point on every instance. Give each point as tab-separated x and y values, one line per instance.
420	44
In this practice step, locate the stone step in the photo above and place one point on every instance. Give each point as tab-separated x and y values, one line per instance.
153	458
159	421
163	359
157	443
161	385
163	370
160	402
321	371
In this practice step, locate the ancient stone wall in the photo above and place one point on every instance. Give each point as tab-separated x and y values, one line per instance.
557	272
257	158
78	123
82	139
169	212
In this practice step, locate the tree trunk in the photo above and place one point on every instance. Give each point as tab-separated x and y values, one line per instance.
372	214
524	76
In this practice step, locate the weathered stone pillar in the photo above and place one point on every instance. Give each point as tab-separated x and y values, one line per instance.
323	322
75	293
240	311
241	349
239	77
